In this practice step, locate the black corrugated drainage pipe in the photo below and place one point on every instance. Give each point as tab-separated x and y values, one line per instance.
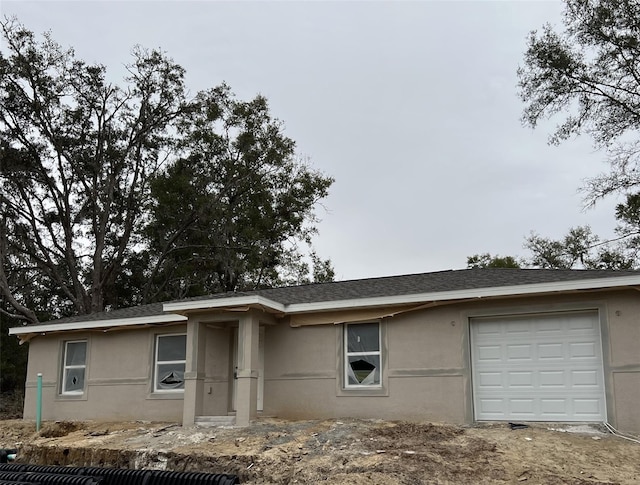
118	476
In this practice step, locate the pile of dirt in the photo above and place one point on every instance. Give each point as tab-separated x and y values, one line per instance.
58	429
346	451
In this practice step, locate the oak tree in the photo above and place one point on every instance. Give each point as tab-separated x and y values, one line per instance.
230	213
588	75
113	194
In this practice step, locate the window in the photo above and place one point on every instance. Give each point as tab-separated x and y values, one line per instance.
170	361
74	367
362	355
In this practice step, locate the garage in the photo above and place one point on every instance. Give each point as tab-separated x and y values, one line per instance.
541	367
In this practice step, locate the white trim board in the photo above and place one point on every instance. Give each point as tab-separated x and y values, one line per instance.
87	325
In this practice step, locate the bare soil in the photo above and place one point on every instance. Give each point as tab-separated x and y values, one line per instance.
339	452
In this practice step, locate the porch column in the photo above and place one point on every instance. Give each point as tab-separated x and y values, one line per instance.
247	386
194	372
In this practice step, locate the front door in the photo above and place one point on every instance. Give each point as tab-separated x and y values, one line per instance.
234	386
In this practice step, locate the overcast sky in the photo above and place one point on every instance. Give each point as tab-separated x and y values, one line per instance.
411	106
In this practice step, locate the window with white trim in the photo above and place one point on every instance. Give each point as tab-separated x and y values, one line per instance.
363	358
170	362
74	366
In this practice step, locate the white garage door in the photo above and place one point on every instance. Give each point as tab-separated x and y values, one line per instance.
538	368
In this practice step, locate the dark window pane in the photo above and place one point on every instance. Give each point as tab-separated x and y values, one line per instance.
172	347
74	380
363	337
364	370
76	353
170	376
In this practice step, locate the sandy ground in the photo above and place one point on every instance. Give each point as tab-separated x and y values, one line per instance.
339	452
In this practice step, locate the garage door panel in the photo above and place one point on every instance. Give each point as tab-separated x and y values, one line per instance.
490	379
583	350
521	327
520	379
490	328
587	407
585	378
489	353
552	379
522	406
551	351
520	352
556	407
583	322
538	368
546	326
492	407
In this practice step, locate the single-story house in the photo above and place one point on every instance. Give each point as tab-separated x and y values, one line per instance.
454	346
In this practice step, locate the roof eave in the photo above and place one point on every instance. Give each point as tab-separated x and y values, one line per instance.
176	311
90	325
181	307
491	292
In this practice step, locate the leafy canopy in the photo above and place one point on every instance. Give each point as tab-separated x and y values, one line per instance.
580	248
227	210
486	260
114	194
589	76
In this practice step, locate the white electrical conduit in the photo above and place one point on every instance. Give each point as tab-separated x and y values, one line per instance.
615	432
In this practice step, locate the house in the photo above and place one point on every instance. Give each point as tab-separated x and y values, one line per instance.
455	346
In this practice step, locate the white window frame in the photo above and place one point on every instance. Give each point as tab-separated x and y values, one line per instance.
65	367
348	354
156	363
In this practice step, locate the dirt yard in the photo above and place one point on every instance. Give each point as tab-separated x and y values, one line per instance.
340	452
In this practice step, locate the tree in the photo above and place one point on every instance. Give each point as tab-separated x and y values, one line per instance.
13	358
230	213
76	156
486	260
590	73
113	195
578	249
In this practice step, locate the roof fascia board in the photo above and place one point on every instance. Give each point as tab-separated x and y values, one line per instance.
88	325
214	303
497	291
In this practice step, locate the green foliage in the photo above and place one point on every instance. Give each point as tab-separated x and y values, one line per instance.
579	248
571	250
486	260
588	73
587	76
117	194
229	212
323	271
76	155
13	358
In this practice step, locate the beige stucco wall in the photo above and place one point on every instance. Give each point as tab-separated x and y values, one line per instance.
426	369
118	378
427	364
622	368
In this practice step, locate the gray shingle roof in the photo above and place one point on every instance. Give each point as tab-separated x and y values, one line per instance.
450	280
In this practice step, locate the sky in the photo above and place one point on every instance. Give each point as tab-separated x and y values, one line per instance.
412	107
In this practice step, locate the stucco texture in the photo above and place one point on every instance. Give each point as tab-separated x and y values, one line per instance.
425	366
